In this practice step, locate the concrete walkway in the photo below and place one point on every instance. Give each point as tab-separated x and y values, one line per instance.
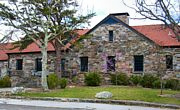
4	94
5	89
71	105
10	89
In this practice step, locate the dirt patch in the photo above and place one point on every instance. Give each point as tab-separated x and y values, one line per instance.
177	96
34	90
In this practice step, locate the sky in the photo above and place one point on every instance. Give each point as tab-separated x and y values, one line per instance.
102	8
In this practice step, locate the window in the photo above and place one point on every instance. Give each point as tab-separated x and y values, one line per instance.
84	64
138	63
19	64
38	64
111	63
63	71
111	36
169	62
63	65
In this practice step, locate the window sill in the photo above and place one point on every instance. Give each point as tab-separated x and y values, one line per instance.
84	71
138	72
169	70
18	70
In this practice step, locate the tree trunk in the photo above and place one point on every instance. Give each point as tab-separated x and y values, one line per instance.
58	59
44	69
161	87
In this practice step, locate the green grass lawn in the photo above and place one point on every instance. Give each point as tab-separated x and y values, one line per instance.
119	93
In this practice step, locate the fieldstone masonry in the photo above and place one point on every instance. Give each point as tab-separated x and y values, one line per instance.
3	68
125	45
26	77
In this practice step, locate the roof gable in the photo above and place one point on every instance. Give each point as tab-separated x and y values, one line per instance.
162	37
109	20
112	17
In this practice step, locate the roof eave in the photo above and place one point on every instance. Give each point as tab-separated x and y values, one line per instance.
4	60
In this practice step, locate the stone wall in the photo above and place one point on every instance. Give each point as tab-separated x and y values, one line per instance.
3	68
175	52
27	77
126	44
97	48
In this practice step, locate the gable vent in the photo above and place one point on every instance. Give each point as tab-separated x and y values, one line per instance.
169	34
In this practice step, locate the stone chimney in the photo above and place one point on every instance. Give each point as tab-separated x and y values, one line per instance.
122	16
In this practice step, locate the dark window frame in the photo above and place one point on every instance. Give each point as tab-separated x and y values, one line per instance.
19	64
169	62
111	35
111	63
38	64
138	63
63	63
84	61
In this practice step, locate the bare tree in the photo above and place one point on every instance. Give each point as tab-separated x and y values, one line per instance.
64	18
42	21
161	68
166	11
24	17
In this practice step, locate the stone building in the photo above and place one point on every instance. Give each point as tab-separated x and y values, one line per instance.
3	60
3	68
113	46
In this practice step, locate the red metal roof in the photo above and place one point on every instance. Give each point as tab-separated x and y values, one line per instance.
80	32
157	33
160	34
3	55
5	48
31	48
3	51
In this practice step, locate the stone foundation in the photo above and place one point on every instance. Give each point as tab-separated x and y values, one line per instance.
19	80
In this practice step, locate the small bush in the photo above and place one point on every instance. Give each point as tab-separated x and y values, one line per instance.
1	83
172	84
119	79
63	83
156	84
147	80
75	80
135	79
92	79
5	82
52	81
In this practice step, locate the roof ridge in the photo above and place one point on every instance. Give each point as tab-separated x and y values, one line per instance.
123	13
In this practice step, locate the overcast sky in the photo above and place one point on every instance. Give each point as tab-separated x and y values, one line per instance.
104	7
